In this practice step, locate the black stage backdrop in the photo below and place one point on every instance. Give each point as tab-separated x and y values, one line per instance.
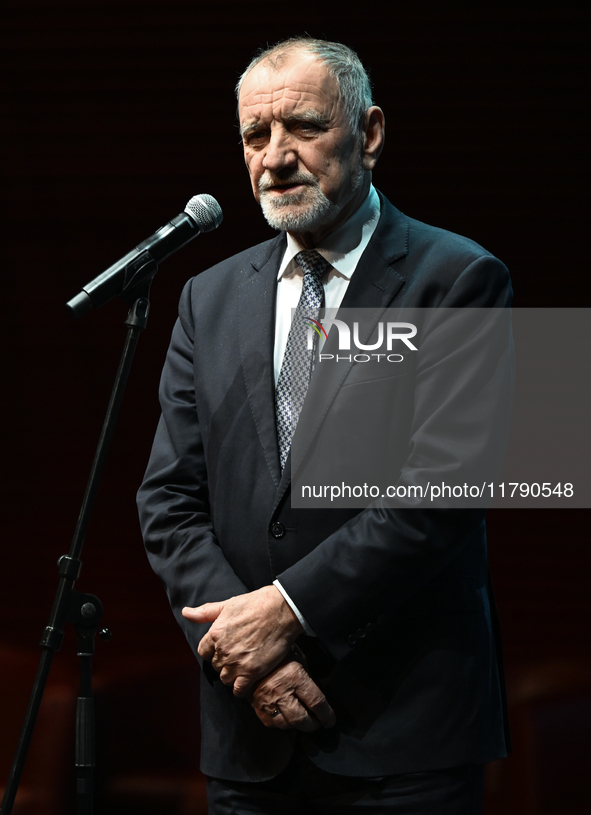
116	112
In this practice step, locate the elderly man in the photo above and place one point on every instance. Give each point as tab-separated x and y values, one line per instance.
349	655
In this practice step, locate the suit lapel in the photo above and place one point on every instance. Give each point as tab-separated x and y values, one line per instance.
374	286
256	298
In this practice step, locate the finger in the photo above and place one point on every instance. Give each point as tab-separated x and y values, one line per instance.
226	676
276	719
310	695
206	613
264	717
293	714
272	721
219	660
323	712
243	685
206	648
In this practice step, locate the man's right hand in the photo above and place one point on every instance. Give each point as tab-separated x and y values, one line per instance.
288	698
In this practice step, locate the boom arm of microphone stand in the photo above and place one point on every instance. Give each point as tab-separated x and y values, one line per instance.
138	275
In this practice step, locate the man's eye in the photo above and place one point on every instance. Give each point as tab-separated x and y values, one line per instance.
309	128
255	137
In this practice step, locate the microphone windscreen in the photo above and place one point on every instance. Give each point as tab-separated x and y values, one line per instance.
205	211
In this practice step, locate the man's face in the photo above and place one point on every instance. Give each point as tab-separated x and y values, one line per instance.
304	160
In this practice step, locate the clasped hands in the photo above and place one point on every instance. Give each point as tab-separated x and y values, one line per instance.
250	644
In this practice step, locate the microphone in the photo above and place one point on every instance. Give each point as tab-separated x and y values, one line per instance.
202	214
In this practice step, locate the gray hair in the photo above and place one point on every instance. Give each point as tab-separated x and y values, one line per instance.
342	63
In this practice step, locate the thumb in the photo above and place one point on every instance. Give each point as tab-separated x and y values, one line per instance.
206	613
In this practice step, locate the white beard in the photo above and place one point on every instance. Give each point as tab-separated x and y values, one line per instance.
306	210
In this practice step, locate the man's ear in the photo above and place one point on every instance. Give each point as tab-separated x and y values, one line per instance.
374	133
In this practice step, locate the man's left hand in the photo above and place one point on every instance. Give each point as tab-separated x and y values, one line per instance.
288	698
250	635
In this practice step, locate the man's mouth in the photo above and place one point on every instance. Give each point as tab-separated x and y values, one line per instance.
287	186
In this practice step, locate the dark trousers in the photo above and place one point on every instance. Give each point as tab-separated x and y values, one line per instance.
303	789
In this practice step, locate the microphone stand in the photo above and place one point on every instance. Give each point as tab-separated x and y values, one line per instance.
84	610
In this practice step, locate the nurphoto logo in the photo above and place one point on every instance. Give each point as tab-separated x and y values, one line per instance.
389	333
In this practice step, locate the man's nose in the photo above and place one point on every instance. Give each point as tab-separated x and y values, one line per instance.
279	152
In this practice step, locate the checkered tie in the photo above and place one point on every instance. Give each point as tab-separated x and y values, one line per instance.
298	361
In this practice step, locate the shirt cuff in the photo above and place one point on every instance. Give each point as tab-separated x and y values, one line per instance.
294	608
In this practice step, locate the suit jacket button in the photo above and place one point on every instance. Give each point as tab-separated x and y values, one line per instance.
277	530
352	640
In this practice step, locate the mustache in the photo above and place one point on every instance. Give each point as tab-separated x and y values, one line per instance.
267	181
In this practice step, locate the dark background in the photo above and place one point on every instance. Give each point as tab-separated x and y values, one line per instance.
115	114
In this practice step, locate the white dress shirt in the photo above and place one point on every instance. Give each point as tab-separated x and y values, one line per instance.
342	249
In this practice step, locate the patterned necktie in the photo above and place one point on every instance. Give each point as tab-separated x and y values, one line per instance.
298	361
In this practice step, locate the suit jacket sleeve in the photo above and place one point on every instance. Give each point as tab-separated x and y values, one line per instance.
173	500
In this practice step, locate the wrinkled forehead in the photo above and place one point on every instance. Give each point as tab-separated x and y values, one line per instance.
297	81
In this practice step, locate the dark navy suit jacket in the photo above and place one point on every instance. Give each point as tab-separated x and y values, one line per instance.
405	648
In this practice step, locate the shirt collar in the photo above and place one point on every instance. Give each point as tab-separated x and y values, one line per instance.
343	247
